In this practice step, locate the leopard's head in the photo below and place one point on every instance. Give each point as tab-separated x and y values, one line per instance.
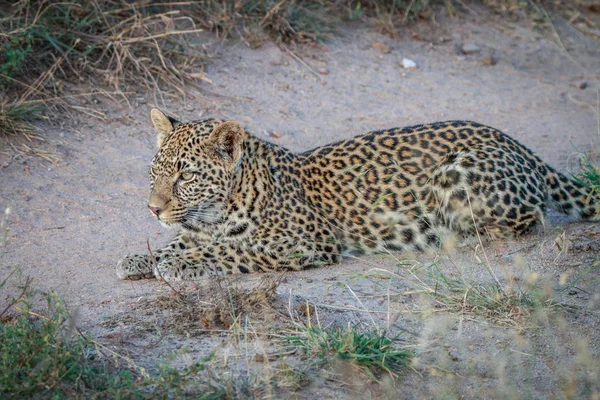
191	175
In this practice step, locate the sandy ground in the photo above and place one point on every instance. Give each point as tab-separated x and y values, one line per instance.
71	221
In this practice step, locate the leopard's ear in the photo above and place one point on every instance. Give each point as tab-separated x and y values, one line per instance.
225	141
163	124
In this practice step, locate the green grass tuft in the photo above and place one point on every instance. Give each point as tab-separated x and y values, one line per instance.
589	176
370	350
589	173
15	117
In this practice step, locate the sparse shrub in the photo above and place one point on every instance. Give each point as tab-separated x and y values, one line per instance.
39	356
43	355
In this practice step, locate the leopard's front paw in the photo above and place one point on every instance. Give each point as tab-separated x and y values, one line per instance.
135	267
168	269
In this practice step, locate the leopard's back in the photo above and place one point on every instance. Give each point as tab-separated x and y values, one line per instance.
397	189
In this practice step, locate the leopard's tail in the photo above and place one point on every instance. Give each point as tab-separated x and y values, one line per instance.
571	196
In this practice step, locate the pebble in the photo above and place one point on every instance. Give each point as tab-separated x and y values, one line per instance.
408	64
245	120
382	47
454	356
581	84
276	135
277	61
323	71
470	48
490	60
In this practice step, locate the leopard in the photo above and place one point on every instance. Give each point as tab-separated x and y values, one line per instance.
240	204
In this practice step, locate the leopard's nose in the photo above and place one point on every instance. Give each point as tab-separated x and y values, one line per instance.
155	210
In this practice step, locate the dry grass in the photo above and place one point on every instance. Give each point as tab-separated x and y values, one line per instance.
118	41
149	46
145	44
108	43
260	353
230	303
460	315
44	355
215	305
582	15
221	305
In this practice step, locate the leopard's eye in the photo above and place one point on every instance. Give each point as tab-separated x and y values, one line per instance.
187	176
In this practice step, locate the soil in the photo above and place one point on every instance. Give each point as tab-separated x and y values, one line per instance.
70	221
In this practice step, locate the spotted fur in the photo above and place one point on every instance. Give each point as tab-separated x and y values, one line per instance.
244	205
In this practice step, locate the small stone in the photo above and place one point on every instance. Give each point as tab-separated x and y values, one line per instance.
490	60
308	280
454	356
323	71
245	120
277	61
276	135
408	64
581	84
382	47
470	48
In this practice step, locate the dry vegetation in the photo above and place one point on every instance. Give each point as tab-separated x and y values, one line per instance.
272	346
148	46
217	304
